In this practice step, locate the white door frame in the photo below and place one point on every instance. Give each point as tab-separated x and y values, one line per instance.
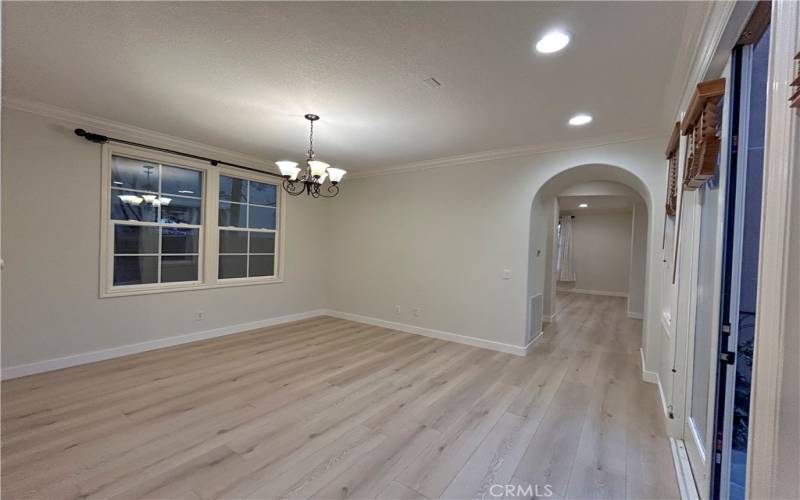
773	428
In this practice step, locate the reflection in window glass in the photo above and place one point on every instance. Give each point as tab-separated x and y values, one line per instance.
232	241
232	189
180	240
178	268
261	218
135	270
155	233
247	252
179	210
232	215
262	242
129	173
135	239
262	265
156	217
131	206
263	194
232	266
181	181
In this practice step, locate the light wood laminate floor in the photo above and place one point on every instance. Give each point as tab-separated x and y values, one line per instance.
327	408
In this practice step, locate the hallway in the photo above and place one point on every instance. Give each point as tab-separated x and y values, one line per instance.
326	408
621	448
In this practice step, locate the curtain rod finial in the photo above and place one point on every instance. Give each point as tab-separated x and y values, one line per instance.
100	139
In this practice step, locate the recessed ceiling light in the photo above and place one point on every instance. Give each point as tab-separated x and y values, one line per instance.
552	42
580	119
583	205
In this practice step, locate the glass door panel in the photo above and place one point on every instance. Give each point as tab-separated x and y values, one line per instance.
743	267
709	214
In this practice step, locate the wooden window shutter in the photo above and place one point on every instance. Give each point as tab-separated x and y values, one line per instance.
700	126
672	177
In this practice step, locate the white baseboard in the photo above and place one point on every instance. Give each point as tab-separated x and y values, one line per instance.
653	378
529	347
634	315
664	406
437	334
647	375
125	350
594	292
683	470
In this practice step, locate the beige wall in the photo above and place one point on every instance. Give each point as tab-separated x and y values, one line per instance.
636	277
601	253
50	236
440	239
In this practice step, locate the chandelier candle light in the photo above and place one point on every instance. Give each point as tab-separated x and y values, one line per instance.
310	179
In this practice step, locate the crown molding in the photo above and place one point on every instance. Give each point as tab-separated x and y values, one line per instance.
502	154
110	127
706	55
130	132
688	55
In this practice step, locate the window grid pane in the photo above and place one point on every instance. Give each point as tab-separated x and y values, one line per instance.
177	262
245	201
177	221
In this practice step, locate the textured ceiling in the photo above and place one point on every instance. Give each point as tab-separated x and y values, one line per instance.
241	75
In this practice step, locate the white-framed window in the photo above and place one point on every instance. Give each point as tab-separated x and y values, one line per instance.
247	227
170	223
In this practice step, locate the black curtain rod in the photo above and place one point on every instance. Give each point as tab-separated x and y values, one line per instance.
102	139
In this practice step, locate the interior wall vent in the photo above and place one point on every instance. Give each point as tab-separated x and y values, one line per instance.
535	314
432	83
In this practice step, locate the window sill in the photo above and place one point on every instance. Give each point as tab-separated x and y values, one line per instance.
185	288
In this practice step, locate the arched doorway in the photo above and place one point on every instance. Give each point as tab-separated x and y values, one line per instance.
602	181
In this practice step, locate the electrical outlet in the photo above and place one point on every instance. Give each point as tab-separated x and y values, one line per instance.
397	309
199	315
506	274
417	311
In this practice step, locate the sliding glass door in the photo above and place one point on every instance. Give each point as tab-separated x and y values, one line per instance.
741	271
701	396
727	216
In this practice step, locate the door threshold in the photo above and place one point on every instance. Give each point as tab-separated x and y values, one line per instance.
683	471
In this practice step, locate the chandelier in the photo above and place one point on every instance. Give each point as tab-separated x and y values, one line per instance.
310	179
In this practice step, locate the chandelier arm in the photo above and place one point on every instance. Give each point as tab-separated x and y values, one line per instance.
291	187
333	189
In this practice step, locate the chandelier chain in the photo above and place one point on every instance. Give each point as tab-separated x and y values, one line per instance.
311	142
